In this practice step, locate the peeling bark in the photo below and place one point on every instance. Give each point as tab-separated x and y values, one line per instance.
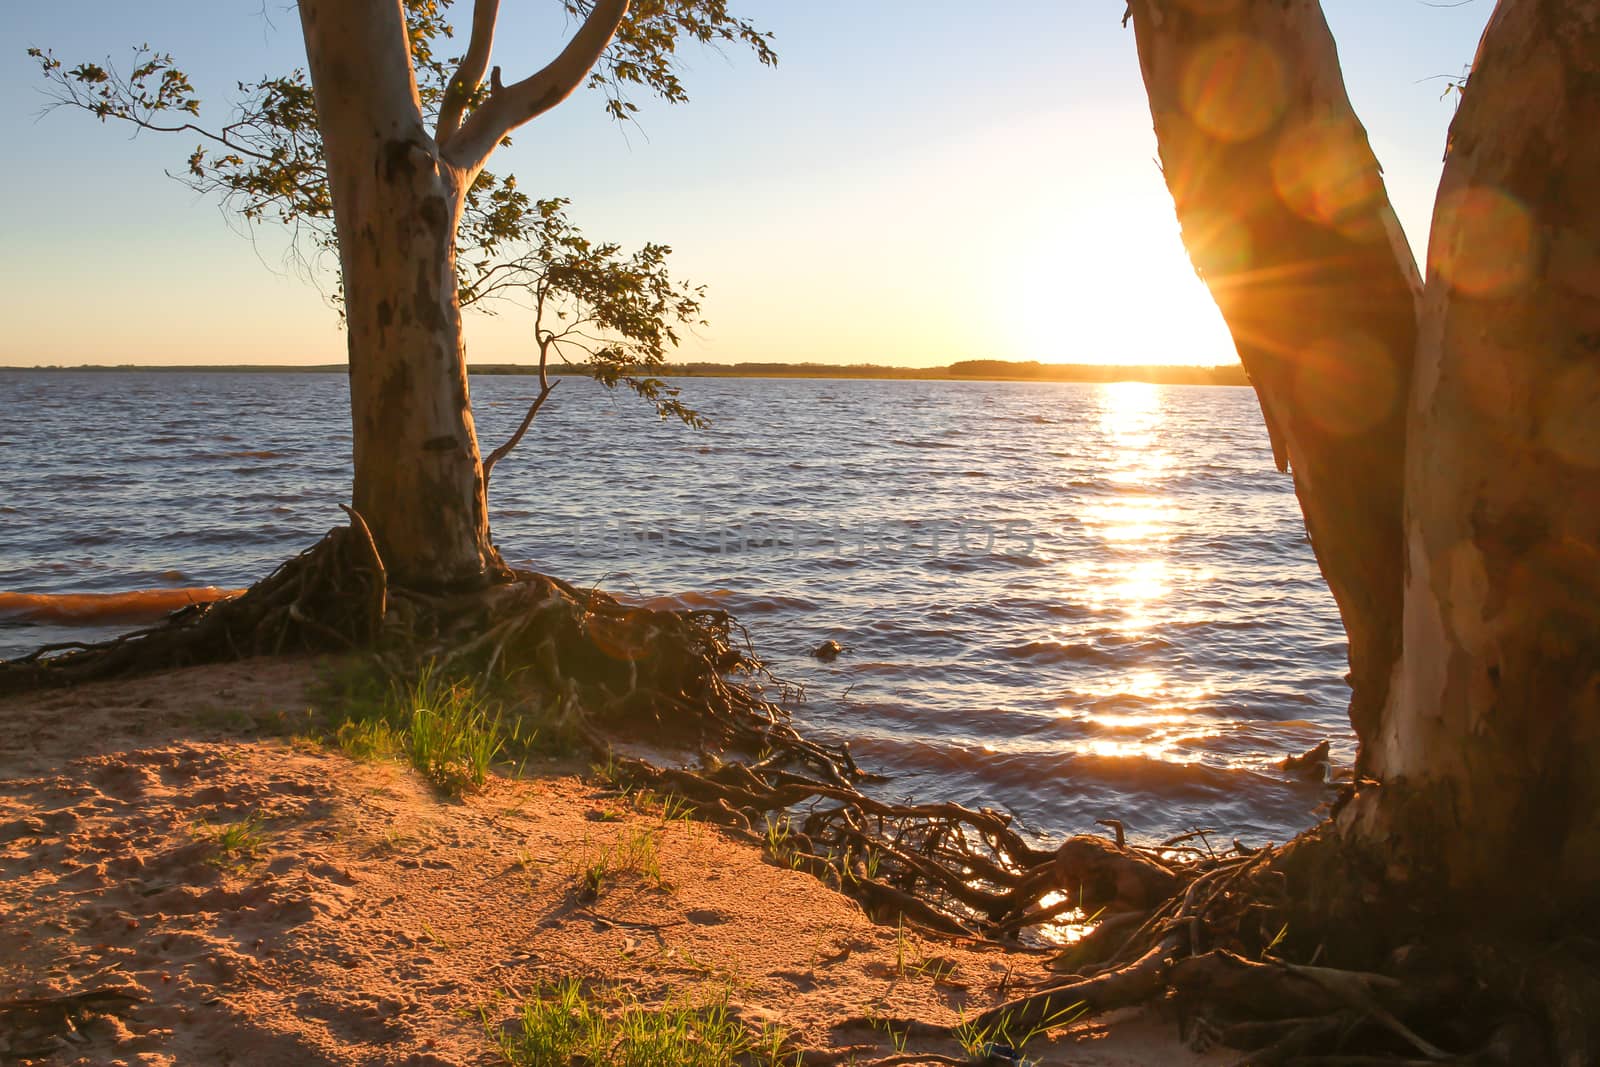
418	478
397	198
1475	401
1489	757
1286	218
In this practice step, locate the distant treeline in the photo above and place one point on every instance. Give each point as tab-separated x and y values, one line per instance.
971	370
1232	374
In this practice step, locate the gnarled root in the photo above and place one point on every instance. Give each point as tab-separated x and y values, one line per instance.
1298	954
332	597
1220	952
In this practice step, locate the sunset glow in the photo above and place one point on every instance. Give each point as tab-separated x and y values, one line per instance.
847	206
1110	283
1065	530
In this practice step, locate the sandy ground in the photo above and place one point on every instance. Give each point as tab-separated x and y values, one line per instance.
380	924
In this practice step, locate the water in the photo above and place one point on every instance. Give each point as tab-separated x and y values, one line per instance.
1145	636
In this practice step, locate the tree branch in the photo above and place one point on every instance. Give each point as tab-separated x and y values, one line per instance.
510	106
469	75
546	387
489	281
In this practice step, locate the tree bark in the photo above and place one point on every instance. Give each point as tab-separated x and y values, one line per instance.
418	478
1285	216
1490	755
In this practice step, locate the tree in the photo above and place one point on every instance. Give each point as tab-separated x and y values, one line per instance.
1442	436
1445	442
1284	214
379	153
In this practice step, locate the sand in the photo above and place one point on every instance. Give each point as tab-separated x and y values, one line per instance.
377	923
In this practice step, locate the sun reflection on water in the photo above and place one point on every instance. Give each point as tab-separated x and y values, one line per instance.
1067	928
1132	519
1131	418
1139	520
1138	712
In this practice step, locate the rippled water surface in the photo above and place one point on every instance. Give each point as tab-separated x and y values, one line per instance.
1074	601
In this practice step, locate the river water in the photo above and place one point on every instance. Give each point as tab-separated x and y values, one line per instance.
1075	602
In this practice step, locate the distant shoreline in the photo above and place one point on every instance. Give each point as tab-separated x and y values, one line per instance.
986	370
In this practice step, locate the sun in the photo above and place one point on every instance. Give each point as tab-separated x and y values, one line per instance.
1111	285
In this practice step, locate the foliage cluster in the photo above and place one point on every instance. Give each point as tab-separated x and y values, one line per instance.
615	313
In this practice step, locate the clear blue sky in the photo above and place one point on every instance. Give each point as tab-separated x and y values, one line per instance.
915	183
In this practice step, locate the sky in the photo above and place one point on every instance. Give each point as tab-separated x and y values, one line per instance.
914	184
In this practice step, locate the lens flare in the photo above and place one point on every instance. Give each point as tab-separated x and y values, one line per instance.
1485	243
1325	173
1346	384
1219	244
1569	427
1233	87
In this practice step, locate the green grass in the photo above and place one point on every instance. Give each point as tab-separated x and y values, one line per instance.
563	1025
607	774
449	729
668	808
637	853
779	846
452	737
897	1039
976	1040
236	842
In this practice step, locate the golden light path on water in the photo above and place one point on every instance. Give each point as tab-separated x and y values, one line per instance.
1132	576
1128	581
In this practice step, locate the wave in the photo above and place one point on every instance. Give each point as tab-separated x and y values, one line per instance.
95	609
244	453
1048	652
728	600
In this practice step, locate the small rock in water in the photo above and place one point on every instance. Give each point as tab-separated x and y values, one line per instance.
828	651
1311	765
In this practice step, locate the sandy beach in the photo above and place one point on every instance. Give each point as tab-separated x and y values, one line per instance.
243	897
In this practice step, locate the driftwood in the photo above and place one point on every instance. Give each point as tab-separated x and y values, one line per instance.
37	1027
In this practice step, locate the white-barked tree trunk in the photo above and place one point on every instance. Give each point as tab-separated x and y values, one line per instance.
398	191
1445	440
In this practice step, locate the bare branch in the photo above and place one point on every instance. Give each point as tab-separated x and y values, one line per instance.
492	280
469	75
546	387
509	106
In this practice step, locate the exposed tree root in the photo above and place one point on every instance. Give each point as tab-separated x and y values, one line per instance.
38	1027
1299	954
332	597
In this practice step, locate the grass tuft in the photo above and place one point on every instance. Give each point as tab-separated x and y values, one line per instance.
451	736
446	728
237	842
637	853
982	1042
563	1024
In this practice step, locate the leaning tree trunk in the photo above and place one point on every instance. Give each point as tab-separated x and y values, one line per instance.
418	476
1486	731
1284	213
1491	755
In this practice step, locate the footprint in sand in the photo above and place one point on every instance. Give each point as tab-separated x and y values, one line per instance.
121	778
